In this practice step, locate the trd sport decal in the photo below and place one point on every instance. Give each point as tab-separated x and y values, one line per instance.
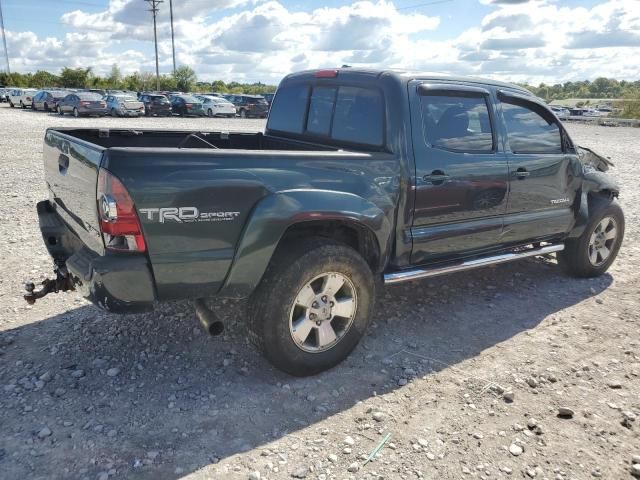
186	215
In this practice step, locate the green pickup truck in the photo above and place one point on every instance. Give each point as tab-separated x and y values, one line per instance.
361	178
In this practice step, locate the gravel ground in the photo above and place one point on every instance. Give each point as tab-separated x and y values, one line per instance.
467	373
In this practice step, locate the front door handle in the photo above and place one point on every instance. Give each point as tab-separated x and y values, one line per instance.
522	173
437	177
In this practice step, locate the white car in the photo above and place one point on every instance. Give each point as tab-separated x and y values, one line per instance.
561	112
217	106
21	97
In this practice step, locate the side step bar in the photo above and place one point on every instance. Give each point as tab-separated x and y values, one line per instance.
408	275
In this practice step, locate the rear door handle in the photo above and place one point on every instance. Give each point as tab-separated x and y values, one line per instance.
522	173
437	177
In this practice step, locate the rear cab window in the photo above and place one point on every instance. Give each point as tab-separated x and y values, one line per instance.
333	114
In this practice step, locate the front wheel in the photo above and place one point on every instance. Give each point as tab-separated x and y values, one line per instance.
312	306
593	252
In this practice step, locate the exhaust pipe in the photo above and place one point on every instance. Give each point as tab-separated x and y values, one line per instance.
208	319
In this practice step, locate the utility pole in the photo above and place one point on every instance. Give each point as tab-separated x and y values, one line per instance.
173	45
154	9
4	40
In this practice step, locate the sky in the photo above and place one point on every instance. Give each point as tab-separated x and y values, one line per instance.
262	40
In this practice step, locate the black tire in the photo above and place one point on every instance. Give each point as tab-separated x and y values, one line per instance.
147	113
575	258
22	105
46	107
272	304
209	112
33	107
11	104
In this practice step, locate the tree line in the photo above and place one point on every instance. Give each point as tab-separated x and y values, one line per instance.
599	88
184	79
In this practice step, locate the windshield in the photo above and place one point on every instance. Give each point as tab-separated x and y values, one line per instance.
126	98
190	99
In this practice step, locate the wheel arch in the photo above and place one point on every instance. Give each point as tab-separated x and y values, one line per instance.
598	189
284	217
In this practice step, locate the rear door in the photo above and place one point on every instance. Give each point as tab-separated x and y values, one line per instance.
544	170
461	175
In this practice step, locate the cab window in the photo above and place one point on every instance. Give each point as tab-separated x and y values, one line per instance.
531	128
457	122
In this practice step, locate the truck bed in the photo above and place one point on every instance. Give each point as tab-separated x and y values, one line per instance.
224	177
142	138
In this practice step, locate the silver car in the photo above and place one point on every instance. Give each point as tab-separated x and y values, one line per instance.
123	105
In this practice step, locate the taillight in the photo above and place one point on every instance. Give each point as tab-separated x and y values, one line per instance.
84	103
28	98
119	222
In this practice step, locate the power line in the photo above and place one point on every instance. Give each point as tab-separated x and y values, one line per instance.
154	9
4	40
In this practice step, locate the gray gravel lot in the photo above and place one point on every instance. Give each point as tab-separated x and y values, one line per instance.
88	395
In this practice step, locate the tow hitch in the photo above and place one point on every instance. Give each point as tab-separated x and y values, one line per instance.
63	282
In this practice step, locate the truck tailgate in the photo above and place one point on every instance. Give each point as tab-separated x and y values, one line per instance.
71	172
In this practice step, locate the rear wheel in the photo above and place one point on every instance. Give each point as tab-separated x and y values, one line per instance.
592	253
312	306
11	104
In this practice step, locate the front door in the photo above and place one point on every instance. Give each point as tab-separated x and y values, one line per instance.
544	171
461	176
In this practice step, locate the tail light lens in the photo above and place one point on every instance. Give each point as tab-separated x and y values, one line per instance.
84	103
119	221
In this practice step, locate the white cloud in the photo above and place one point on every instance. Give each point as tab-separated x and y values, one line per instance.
519	40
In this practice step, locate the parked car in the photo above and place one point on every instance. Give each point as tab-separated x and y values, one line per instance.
187	105
7	93
342	191
48	100
21	97
99	91
217	106
155	104
269	97
81	104
3	95
249	105
560	112
124	105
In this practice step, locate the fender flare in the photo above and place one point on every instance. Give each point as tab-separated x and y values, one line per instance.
274	214
597	190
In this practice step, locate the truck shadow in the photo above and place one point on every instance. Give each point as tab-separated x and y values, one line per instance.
181	401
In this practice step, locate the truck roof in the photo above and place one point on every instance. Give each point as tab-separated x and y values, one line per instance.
408	75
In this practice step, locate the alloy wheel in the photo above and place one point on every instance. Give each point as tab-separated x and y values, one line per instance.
602	241
323	311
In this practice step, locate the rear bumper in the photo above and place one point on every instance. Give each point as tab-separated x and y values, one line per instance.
120	283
